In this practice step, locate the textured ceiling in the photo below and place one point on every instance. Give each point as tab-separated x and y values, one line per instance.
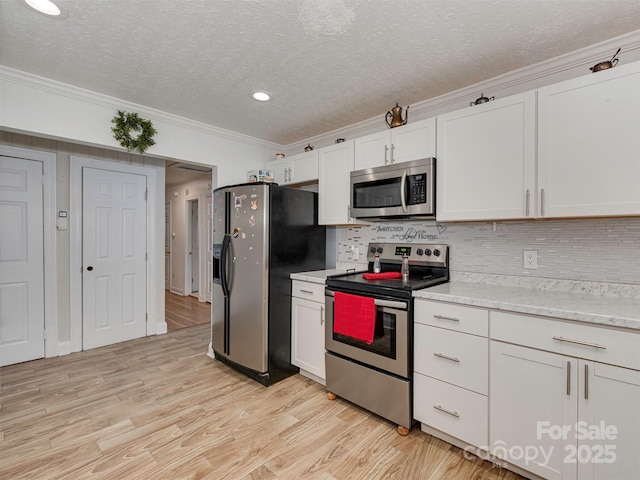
328	63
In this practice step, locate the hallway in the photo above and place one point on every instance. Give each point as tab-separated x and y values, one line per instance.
182	312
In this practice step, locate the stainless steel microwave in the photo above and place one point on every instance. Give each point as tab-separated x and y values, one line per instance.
397	191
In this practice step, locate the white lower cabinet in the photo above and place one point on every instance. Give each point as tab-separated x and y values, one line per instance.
453	410
558	399
307	328
560	416
528	394
451	370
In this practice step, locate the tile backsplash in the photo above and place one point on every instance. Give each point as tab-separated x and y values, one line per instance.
594	250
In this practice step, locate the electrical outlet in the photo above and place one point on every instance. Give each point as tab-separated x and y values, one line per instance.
531	259
356	254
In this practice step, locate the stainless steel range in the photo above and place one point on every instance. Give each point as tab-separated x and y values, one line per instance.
369	327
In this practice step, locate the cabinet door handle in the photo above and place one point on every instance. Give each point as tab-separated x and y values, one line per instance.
542	202
306	291
568	378
446	357
321	314
442	317
586	382
453	413
386	151
528	197
579	342
393	147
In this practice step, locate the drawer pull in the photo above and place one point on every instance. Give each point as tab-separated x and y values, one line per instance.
442	317
578	342
568	378
307	291
446	357
449	412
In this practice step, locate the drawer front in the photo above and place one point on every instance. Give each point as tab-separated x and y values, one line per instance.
308	290
453	357
450	409
453	317
600	344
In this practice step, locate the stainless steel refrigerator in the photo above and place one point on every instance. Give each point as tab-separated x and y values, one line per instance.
262	233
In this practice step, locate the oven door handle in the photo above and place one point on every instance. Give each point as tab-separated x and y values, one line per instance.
391	304
378	302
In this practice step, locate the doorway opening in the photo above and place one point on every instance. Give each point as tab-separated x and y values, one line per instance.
189	255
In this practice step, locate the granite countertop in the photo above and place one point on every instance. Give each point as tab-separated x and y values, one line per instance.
317	276
583	307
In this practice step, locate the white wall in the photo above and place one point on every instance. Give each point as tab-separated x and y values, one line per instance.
45	108
63	151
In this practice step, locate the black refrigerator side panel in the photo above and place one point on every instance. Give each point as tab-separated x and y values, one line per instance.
297	244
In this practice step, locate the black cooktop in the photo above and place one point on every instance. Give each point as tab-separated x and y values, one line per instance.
426	269
354	282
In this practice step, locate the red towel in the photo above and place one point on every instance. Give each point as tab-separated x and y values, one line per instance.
354	316
375	276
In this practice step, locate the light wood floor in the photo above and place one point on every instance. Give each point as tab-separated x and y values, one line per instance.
183	312
159	408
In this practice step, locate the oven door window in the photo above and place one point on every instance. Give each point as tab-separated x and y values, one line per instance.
384	337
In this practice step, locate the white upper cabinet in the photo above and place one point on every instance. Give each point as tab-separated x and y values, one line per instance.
334	177
486	160
281	169
400	144
299	168
373	150
589	145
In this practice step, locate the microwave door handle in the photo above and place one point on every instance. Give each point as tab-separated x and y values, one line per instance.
403	183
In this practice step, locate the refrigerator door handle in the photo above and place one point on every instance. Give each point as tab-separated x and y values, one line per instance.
223	265
225	291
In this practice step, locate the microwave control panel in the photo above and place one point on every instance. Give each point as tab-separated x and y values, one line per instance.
417	189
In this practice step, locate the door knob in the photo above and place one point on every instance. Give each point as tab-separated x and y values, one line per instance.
89	268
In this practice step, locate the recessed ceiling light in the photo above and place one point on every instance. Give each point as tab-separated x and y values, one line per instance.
261	96
47	7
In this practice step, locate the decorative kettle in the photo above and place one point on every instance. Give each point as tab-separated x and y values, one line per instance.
396	116
606	65
482	99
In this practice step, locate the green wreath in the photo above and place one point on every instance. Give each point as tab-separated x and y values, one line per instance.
125	124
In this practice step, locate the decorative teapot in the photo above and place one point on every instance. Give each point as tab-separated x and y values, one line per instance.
605	65
396	116
482	99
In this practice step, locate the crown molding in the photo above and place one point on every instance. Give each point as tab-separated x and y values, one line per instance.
54	87
559	68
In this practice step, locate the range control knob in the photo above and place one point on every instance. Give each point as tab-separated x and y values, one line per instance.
379	250
427	252
436	252
419	251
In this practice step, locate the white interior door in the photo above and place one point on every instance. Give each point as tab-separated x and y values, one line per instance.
167	246
113	257
209	240
21	261
194	248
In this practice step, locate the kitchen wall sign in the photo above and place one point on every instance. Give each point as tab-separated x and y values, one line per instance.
409	233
